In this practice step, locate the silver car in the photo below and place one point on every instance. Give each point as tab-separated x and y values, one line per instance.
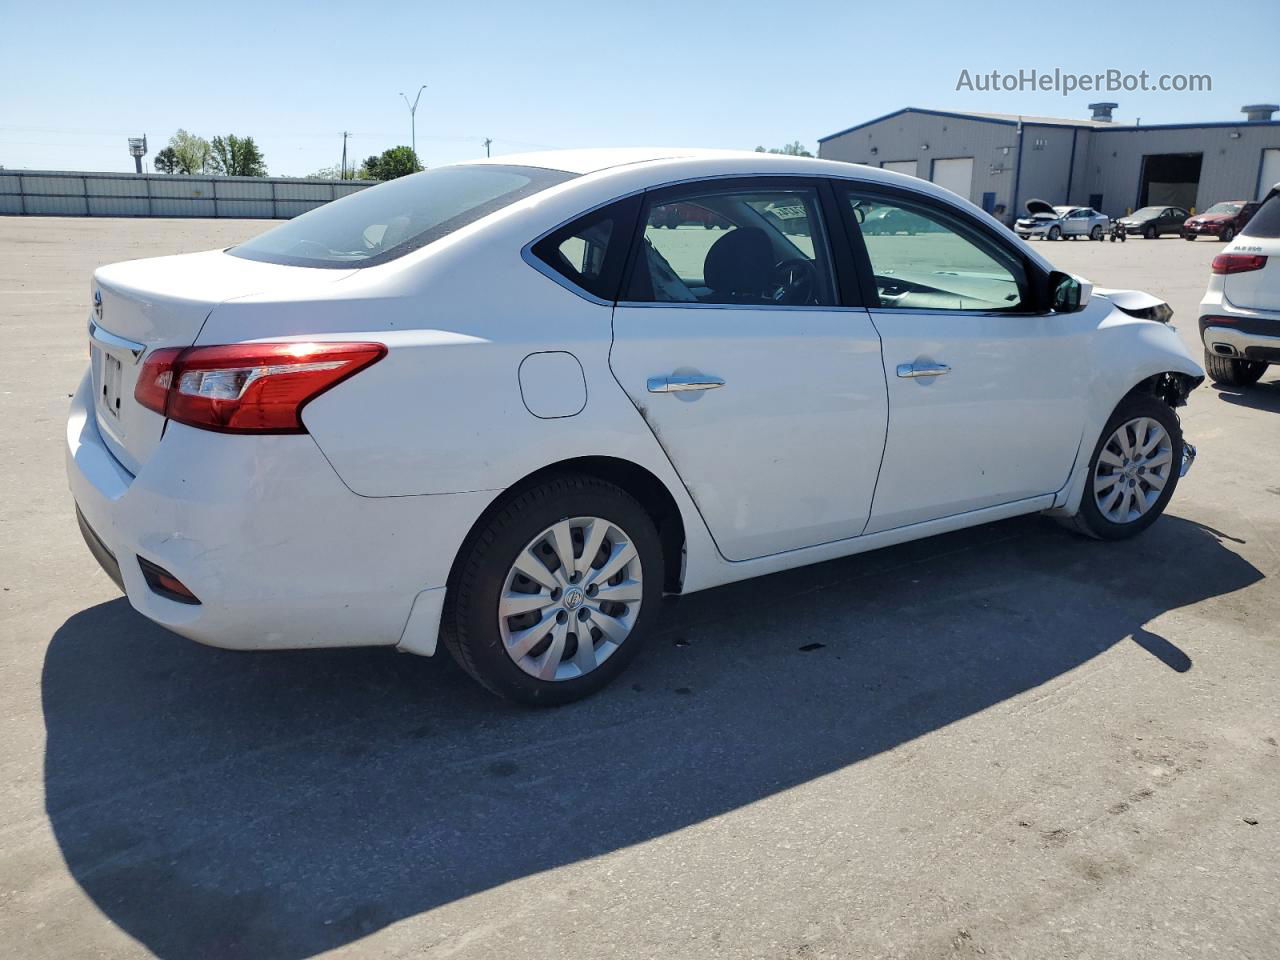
1054	223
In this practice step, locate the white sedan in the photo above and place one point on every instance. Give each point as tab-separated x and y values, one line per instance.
1054	223
495	405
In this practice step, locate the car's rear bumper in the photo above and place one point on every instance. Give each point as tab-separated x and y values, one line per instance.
279	552
1237	332
1241	344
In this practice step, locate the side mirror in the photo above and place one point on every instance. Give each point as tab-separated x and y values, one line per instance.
1068	294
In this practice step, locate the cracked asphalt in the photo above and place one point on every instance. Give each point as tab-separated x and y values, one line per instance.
1005	742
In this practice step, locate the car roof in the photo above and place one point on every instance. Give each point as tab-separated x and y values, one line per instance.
670	163
597	160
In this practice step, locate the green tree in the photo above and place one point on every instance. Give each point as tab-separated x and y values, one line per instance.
794	149
390	164
166	161
234	156
190	153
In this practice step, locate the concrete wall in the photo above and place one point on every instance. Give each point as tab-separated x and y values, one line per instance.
67	194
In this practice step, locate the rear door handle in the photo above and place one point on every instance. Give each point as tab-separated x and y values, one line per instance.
675	384
922	369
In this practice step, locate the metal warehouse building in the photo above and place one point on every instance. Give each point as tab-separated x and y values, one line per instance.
999	161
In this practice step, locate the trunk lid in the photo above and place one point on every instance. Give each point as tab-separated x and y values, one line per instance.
141	305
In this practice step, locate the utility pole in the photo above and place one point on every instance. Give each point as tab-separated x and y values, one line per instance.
487	141
342	175
413	118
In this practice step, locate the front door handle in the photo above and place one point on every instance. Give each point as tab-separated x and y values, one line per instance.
922	369
680	384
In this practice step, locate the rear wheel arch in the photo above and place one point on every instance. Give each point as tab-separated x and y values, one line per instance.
638	482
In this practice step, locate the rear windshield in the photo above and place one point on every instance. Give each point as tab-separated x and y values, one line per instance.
387	221
1266	222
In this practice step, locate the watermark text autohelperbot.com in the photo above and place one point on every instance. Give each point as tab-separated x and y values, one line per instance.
1067	83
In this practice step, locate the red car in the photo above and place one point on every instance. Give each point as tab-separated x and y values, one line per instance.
1223	220
673	215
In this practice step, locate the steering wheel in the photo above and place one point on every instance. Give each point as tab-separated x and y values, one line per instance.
792	282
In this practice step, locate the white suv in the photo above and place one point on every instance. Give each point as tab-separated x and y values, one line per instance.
507	405
1240	312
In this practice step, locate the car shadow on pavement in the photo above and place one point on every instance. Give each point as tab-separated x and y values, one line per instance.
1260	396
219	804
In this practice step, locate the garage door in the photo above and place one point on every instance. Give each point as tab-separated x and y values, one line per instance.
1270	171
955	175
900	166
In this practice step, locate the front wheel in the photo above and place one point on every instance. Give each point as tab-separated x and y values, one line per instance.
1189	236
1055	233
1149	233
1231	372
1227	235
1133	472
552	596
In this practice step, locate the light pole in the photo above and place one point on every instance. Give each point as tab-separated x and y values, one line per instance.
413	122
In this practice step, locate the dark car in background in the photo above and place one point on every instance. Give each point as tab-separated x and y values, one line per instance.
1223	220
1153	222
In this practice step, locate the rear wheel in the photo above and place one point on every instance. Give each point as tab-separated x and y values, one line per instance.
1231	372
1133	471
1096	232
552	597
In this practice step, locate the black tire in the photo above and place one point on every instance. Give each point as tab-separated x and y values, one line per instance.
470	623
1149	233
1189	236
1231	372
1227	235
1055	233
1096	232
1089	521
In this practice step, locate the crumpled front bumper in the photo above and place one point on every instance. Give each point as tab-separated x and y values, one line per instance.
1188	458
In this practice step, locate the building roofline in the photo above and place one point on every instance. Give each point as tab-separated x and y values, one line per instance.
1039	122
934	113
1218	124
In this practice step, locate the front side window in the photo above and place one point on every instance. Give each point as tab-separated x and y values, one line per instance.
387	221
926	259
761	246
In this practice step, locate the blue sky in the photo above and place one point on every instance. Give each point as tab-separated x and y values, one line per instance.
77	79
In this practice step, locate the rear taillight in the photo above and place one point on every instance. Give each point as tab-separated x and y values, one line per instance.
247	387
1238	262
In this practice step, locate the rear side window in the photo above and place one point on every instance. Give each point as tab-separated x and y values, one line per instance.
762	246
1266	222
590	251
387	221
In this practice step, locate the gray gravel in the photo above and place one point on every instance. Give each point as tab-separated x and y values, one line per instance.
1011	742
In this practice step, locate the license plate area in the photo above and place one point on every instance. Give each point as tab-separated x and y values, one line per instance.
110	370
